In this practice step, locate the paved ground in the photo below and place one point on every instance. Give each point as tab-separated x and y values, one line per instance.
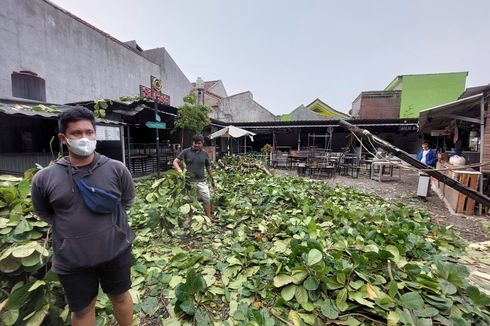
473	229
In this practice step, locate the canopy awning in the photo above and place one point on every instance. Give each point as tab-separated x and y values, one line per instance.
232	131
438	117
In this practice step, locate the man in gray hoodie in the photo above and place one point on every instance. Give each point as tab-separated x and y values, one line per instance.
84	197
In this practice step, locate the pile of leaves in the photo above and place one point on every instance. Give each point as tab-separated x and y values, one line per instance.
287	251
291	251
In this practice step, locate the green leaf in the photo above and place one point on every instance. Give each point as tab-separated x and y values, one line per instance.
295	318
394	251
202	318
9	265
39	316
22	227
328	310
427	312
36	284
393	318
357	296
185	209
18	297
195	282
188	307
447	287
412	300
452	272
32	260
150	306
307	318
371	248
9	317
281	280
393	288
301	295
288	292
479	298
314	257
341	299
176	279
310	284
405	317
299	276
424	322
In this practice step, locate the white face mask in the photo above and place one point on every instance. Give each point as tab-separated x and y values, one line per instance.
82	146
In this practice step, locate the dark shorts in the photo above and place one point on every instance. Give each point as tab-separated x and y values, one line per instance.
82	286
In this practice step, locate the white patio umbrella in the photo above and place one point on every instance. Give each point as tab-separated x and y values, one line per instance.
234	132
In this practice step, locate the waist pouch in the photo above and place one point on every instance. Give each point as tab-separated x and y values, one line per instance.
98	200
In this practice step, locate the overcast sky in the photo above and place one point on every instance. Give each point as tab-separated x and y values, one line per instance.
288	53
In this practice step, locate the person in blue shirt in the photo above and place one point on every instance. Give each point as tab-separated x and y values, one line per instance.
427	155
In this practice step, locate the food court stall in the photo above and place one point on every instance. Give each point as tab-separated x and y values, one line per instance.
461	128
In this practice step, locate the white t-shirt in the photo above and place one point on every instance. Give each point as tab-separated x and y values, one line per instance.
424	156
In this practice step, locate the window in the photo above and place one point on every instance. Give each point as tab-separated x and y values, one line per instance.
27	84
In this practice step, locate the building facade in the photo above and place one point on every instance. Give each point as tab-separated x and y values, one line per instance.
65	59
422	91
377	105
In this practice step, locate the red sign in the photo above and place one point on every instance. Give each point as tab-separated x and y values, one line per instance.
155	96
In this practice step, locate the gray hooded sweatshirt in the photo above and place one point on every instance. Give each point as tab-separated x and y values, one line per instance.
82	238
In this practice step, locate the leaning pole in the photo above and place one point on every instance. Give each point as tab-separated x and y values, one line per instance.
363	133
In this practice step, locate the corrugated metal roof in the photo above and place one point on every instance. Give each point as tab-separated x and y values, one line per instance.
440	116
50	111
327	123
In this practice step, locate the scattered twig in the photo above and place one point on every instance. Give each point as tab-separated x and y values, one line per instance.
389	270
363	316
280	318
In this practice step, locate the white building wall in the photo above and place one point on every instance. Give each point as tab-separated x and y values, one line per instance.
77	61
241	108
218	89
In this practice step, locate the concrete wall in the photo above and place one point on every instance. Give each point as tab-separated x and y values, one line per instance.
211	100
77	61
356	107
241	107
219	89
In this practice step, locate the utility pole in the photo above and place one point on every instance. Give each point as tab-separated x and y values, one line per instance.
156	86
478	197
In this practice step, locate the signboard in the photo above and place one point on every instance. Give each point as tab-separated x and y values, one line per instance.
156	125
156	96
108	133
407	128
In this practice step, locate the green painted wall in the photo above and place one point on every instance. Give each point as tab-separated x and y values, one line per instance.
420	92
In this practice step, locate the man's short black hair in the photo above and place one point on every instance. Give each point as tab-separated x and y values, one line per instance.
198	138
74	114
425	142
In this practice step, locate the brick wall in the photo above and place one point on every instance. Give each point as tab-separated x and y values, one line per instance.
380	105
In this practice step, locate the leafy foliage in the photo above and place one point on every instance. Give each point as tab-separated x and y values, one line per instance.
297	250
192	116
100	107
30	294
286	251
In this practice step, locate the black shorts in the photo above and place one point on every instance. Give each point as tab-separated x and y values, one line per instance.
82	286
